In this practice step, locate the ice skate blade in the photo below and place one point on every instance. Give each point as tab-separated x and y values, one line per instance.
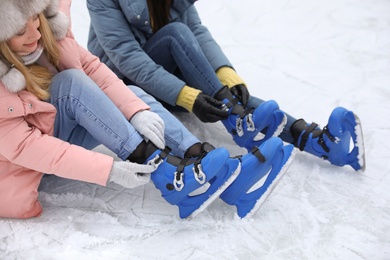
259	170
359	143
356	157
271	187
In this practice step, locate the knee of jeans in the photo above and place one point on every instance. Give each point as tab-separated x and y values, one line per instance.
179	29
69	74
65	79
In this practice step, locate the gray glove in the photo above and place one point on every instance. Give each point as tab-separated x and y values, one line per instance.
130	175
151	126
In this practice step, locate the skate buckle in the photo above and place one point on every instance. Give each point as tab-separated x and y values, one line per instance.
178	181
155	162
224	107
250	124
334	139
199	175
239	129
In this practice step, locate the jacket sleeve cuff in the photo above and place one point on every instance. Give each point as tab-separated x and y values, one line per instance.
229	77
187	97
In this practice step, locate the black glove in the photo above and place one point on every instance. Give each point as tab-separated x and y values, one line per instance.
208	109
241	92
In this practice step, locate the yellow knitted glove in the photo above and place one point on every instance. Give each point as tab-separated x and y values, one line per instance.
229	77
186	97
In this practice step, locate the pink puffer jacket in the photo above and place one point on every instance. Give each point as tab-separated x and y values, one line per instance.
27	145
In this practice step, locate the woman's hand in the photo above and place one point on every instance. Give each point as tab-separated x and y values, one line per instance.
241	92
208	109
150	126
130	175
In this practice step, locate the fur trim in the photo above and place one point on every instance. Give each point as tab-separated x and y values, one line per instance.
15	13
14	16
14	81
59	25
58	21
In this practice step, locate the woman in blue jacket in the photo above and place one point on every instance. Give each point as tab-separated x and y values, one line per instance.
162	46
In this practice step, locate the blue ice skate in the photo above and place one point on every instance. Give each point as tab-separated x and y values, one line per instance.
261	170
193	183
251	127
340	142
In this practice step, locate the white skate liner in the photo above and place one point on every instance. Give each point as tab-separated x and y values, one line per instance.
279	129
216	194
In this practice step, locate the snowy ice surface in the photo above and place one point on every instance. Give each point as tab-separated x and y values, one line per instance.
308	55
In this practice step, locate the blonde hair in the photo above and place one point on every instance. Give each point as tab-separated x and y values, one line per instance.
38	78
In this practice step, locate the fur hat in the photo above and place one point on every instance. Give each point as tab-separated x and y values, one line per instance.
14	16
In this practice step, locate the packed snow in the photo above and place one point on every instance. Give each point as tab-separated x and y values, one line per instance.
310	56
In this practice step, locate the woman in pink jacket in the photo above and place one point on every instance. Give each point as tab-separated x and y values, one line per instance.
57	102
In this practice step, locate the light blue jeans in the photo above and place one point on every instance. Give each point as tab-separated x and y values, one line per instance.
88	118
176	48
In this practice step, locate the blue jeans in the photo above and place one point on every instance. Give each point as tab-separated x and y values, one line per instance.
176	48
88	118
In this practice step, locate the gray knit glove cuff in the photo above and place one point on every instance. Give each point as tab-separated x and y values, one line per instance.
130	175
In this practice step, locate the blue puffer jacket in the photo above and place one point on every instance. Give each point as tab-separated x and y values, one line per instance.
119	29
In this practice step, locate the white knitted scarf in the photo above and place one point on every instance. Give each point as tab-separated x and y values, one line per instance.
32	57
